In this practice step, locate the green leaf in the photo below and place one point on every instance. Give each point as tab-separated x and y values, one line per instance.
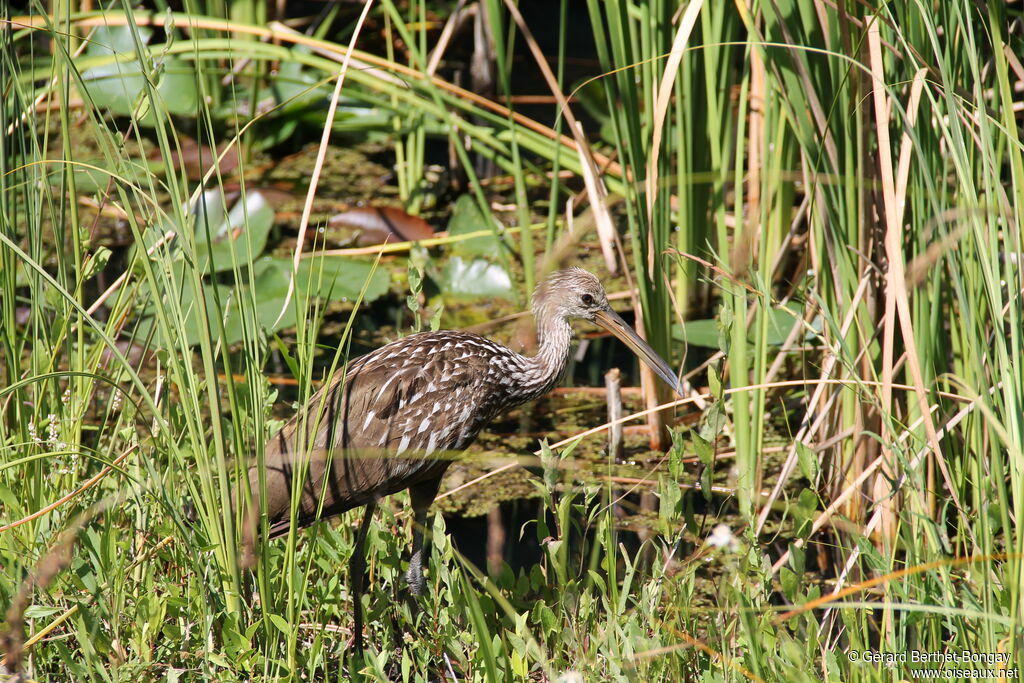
808	461
790	584
676	466
470	271
670	497
40	611
219	659
473	279
726	320
808	500
266	308
698	333
713	421
483	636
706	333
340	278
296	87
553	546
706	483
805	511
543	615
90	176
238	236
270	288
467	218
714	382
112	40
797	558
95	263
280	623
117	84
705	449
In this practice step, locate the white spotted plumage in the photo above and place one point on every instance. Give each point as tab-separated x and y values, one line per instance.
391	419
419	397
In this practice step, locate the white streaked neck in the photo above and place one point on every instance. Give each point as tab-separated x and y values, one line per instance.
541	372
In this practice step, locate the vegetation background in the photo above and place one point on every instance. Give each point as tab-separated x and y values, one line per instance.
813	208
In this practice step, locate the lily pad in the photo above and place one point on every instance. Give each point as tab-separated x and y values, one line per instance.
258	296
698	333
471	270
467	218
269	290
190	307
118	82
266	309
236	237
302	95
706	333
296	87
336	278
474	278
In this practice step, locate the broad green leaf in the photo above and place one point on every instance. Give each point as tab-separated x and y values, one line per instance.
238	237
797	558
89	175
118	85
280	623
40	611
476	278
670	497
95	262
714	382
698	333
467	218
270	289
707	332
340	278
112	40
296	87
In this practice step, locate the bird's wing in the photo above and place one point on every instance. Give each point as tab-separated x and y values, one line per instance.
431	393
390	420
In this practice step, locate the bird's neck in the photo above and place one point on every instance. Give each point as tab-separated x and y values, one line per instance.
541	372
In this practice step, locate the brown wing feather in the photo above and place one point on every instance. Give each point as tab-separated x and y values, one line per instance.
384	424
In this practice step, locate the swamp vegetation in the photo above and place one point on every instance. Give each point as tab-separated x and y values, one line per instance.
812	208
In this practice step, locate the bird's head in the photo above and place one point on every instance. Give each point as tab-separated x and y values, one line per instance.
575	293
570	293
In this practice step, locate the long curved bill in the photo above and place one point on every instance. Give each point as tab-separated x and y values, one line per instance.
611	321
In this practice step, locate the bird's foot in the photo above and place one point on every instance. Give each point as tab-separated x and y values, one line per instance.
414	578
414	575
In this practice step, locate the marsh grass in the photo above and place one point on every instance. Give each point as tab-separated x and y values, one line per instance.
856	173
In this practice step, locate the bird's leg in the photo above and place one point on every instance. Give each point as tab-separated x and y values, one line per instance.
357	575
422	496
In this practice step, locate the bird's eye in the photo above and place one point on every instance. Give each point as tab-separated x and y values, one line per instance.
587	300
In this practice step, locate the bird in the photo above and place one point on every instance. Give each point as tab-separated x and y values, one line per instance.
391	419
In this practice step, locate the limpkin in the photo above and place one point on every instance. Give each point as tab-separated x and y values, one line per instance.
389	421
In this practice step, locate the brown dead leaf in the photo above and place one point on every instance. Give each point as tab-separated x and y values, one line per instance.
380	224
